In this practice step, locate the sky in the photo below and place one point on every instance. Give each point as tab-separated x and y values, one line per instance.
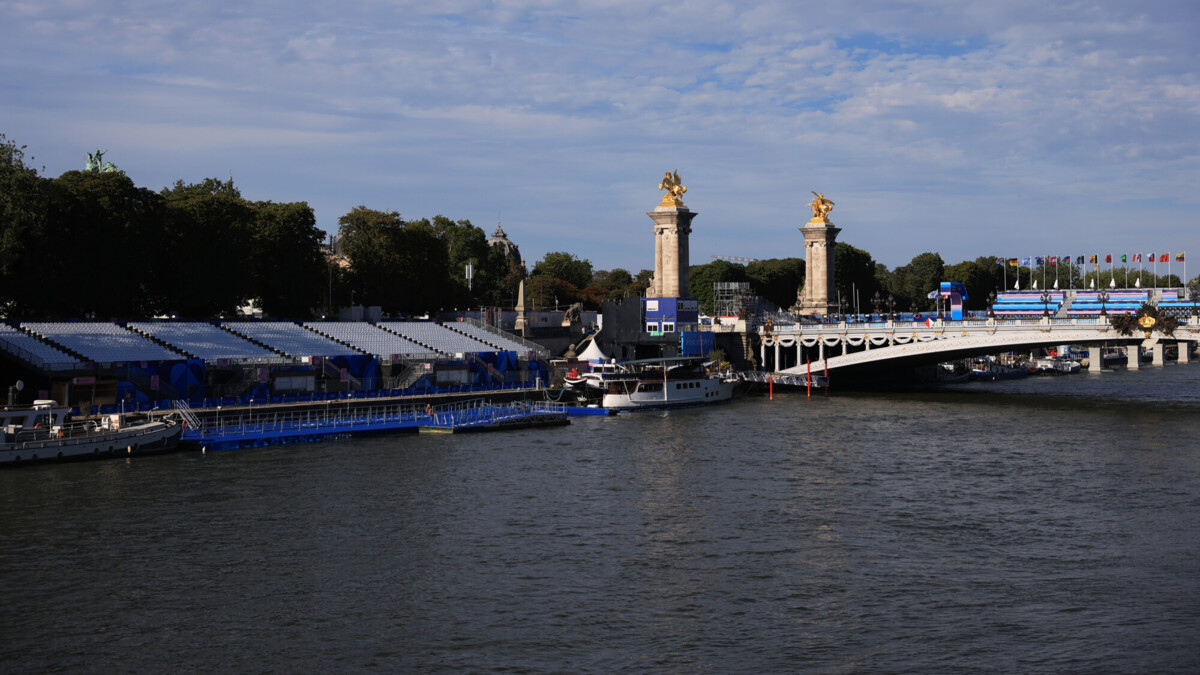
964	128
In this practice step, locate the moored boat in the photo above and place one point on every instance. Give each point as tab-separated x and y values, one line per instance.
42	433
664	383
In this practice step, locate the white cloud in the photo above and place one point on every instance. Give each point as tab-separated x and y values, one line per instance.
925	117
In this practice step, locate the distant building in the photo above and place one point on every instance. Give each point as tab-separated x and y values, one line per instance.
499	238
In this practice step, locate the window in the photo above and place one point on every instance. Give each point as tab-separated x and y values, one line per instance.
668	327
651	326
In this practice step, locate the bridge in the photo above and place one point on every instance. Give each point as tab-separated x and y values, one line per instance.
874	349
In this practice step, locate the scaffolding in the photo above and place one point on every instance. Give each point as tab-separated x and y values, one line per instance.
736	298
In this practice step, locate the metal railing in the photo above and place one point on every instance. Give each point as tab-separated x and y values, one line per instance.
532	346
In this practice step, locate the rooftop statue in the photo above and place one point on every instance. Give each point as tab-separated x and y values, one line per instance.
95	162
820	206
674	188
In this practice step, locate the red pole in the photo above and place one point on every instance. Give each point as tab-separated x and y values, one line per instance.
810	379
826	364
771	386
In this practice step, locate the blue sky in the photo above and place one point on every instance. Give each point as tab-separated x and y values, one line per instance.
967	128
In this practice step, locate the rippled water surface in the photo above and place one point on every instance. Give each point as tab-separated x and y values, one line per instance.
1033	525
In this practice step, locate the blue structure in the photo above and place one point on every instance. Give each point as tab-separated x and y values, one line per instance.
957	293
667	315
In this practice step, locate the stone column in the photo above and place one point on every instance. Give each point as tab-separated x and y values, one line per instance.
672	225
1095	360
1156	354
819	238
1133	355
1183	346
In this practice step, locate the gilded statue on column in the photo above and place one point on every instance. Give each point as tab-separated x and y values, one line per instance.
820	207
674	188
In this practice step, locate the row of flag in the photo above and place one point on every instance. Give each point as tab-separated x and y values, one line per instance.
1093	259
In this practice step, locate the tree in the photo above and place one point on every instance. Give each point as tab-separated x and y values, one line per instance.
289	274
854	275
208	235
402	267
778	280
566	267
911	283
22	227
702	277
976	277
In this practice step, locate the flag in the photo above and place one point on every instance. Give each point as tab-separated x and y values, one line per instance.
928	322
1179	257
1000	262
1012	262
1025	262
1079	260
1053	260
1041	260
1107	257
1123	258
1137	257
1066	260
1150	257
1092	259
1163	257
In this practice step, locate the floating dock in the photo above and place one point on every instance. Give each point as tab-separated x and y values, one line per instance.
309	426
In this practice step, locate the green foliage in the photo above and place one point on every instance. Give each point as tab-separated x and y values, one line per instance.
976	276
911	283
288	272
702	277
22	226
778	280
566	267
854	271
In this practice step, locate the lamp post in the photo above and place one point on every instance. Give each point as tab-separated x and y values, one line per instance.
992	304
891	302
1045	303
876	301
1194	294
1102	296
842	308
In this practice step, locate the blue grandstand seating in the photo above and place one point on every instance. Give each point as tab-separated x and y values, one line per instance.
437	336
291	339
101	342
35	352
206	341
371	339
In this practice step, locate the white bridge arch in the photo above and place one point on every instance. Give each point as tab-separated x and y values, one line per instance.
891	345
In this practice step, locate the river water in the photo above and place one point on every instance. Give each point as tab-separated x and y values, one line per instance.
1046	524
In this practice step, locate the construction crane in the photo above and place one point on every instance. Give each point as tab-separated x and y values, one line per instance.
736	259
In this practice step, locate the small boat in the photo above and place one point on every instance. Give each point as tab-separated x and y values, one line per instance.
1052	365
41	433
985	369
663	383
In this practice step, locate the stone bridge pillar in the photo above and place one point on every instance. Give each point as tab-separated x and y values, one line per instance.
672	225
817	296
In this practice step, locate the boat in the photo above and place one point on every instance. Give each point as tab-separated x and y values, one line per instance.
42	433
1054	365
663	383
985	369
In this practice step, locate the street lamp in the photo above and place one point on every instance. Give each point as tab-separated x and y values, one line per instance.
877	301
891	302
842	308
1194	294
992	304
1046	303
1102	296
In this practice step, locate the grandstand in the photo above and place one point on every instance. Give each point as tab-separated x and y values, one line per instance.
33	351
205	341
484	335
372	339
292	339
1087	303
1013	304
437	337
101	342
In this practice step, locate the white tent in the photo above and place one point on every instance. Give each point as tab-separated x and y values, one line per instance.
593	353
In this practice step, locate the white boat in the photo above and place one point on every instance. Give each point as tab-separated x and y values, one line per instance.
41	433
663	383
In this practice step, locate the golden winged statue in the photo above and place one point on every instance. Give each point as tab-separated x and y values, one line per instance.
820	206
674	188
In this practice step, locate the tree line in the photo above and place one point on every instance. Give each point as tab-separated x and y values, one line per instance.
92	243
